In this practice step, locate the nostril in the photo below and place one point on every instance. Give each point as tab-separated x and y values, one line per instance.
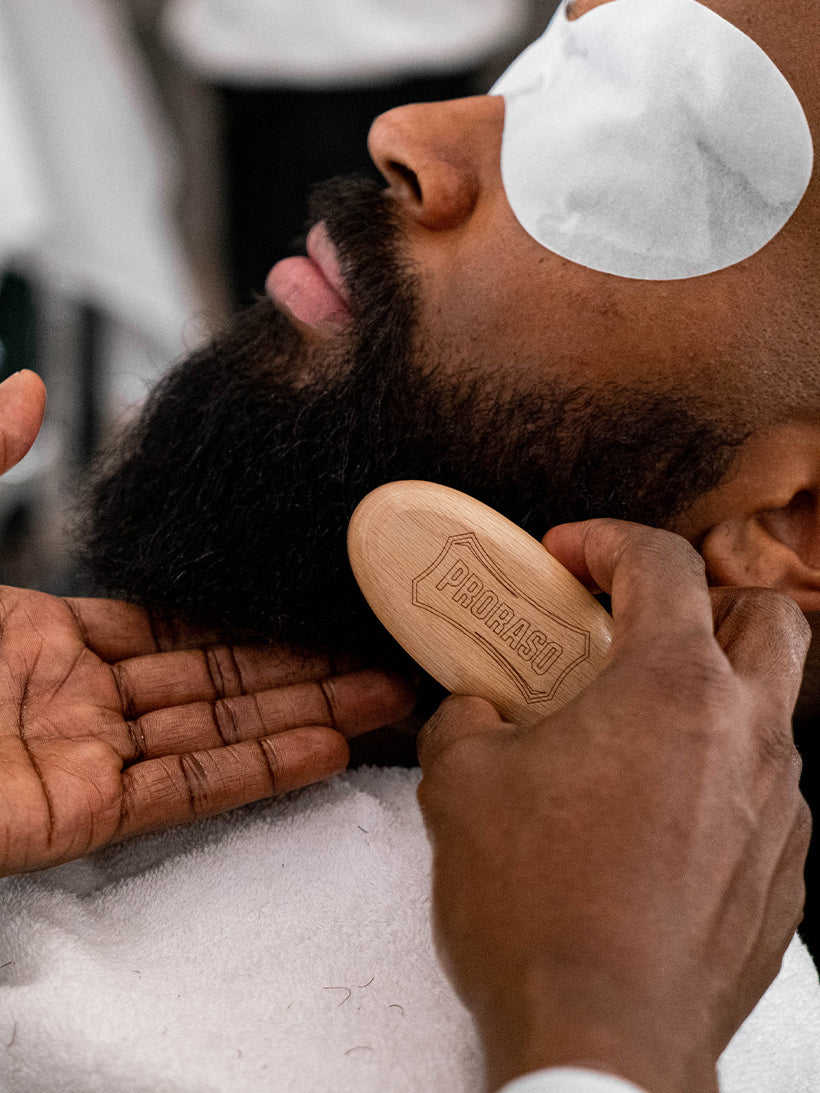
407	176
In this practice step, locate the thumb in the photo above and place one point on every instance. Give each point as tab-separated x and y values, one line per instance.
22	405
457	718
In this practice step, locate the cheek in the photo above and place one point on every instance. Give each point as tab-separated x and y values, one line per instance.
516	308
491	293
492	298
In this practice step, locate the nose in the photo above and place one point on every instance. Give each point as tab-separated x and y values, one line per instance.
438	157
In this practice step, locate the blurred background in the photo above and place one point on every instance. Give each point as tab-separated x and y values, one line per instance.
155	161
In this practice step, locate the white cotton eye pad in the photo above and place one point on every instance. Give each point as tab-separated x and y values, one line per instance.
651	139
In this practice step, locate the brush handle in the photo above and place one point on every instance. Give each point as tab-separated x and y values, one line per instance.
477	602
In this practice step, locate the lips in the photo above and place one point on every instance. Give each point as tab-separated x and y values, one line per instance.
312	289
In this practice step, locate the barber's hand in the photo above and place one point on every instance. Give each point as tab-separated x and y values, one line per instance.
110	727
616	886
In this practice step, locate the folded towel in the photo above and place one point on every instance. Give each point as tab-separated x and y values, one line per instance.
285	946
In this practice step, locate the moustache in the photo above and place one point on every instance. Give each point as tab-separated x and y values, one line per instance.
362	224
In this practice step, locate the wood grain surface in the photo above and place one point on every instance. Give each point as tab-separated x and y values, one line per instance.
478	603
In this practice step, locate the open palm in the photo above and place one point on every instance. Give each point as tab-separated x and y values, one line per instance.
112	724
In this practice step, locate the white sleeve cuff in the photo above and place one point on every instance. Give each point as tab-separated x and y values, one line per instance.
570	1079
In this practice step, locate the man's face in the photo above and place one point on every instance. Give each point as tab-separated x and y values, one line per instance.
484	282
453	348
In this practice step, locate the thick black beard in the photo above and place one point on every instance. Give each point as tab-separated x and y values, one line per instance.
228	501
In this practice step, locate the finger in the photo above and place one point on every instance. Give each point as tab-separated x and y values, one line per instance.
349	704
180	788
766	638
655	578
115	630
218	671
22	405
457	718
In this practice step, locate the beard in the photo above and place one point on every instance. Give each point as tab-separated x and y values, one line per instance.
227	502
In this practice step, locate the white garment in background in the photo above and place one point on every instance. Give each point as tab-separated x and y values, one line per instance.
338	43
282	948
22	199
86	169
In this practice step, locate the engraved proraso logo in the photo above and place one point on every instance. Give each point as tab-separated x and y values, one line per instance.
535	647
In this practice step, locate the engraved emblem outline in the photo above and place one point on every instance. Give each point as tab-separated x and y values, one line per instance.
469	541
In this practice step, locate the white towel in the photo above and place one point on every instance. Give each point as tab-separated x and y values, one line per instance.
285	946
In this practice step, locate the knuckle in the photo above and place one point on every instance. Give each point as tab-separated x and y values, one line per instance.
776	753
796	763
136	735
776	748
223	671
196	783
803	826
329	691
227	721
786	609
122	682
766	606
269	753
697	677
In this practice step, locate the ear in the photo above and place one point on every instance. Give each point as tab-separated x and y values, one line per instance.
762	527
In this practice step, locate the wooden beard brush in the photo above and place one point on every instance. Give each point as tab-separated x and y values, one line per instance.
476	601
